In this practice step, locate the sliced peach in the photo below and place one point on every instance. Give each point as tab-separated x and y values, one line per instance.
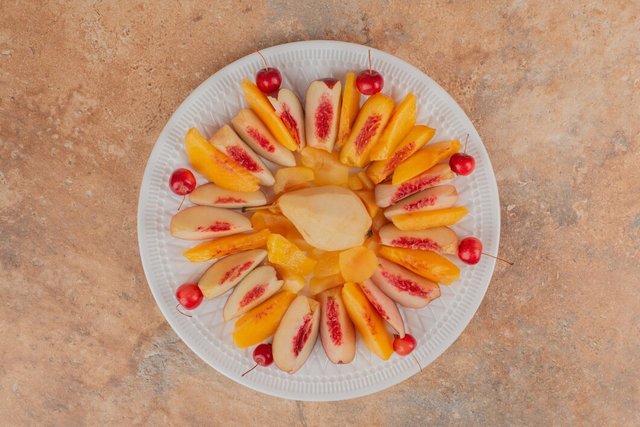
349	108
328	264
257	287
368	127
257	136
401	122
440	197
297	334
366	181
384	305
229	271
367	321
429	219
417	137
322	109
387	194
293	282
229	143
438	239
205	223
354	183
427	264
227	245
424	160
403	286
357	264
378	221
326	166
337	333
285	254
217	167
276	223
369	201
213	195
260	105
286	178
288	108
372	243
321	284
262	321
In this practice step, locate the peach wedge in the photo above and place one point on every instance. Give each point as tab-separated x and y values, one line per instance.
438	239
424	160
322	108
403	286
255	288
212	195
205	223
440	197
257	136
349	108
227	245
387	194
229	271
427	264
296	335
288	108
401	122
337	333
262	321
429	219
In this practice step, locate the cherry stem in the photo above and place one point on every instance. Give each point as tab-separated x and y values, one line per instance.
498	258
466	141
257	208
369	61
181	312
266	65
181	202
417	363
254	367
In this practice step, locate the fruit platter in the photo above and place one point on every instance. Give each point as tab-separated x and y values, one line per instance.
318	221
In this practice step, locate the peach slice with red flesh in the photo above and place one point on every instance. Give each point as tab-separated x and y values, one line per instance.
205	222
401	122
429	219
229	271
255	288
387	194
322	110
427	264
440	197
212	195
288	108
384	305
349	108
337	333
403	286
252	131
326	166
417	137
438	239
228	142
424	159
227	245
296	335
216	166
368	127
262	321
260	105
368	322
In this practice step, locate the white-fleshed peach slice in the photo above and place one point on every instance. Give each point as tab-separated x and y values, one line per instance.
205	222
289	109
255	288
212	195
229	271
257	136
337	332
403	286
440	197
388	194
322	111
384	305
438	239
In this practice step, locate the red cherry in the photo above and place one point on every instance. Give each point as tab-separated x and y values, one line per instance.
369	82
268	80
263	355
182	181
462	164
405	345
470	250
189	295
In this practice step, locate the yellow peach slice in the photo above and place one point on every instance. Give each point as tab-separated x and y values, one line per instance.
424	159
262	321
429	219
427	264
402	120
227	245
349	109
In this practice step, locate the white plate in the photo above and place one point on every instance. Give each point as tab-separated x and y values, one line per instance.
214	103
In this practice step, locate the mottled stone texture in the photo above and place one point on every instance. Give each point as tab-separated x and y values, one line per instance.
554	90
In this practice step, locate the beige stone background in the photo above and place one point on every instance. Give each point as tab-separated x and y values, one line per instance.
553	89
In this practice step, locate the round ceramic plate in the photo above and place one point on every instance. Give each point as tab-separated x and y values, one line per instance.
213	104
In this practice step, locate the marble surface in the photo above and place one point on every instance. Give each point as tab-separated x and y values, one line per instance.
554	90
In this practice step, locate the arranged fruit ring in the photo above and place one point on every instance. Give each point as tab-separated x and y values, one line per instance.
327	221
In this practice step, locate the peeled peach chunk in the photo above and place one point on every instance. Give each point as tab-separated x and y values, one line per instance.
287	178
387	194
262	321
293	282
368	322
366	131
369	201
326	166
276	223
213	195
328	264
260	105
337	333
322	110
417	137
297	334
427	264
217	167
257	136
355	183
321	284
366	181
285	254
429	219
357	264
378	221
431	199
254	289
438	239
372	243
402	120
424	160
205	223
349	109
288	108
227	272
227	245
